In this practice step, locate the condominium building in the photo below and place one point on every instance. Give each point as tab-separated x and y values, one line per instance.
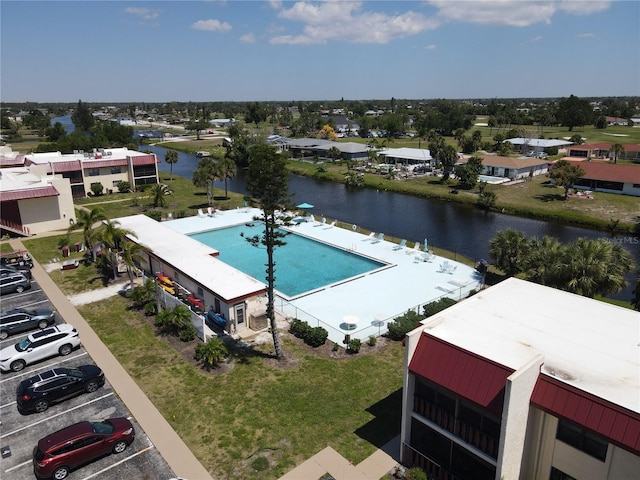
522	381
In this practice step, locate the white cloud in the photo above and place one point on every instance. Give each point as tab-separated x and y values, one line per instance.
513	13
536	39
431	47
586	35
211	25
143	13
248	38
344	21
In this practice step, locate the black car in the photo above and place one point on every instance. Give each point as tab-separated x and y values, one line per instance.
35	394
22	320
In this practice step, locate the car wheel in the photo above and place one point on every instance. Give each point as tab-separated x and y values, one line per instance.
3	334
18	365
60	473
120	447
42	324
40	406
65	349
19	289
91	387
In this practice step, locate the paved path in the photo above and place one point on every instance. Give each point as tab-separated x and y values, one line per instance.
180	459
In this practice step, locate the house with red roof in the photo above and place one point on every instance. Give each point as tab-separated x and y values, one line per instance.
523	381
602	150
511	168
609	177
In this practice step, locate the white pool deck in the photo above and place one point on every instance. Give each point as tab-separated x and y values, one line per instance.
374	298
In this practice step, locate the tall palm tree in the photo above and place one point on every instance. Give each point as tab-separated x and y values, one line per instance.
112	235
226	168
88	221
544	259
132	256
617	150
171	157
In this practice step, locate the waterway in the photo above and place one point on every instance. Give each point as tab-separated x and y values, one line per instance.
461	229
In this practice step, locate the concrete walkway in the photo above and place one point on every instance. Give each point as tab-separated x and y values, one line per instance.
180	459
377	465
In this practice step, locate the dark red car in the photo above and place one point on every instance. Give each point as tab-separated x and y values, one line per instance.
76	445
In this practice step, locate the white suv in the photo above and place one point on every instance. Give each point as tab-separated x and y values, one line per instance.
56	340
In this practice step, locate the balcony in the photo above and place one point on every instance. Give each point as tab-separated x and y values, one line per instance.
434	471
467	433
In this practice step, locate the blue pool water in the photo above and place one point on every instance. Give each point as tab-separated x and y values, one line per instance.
302	264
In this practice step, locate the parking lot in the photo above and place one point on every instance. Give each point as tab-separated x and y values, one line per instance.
20	433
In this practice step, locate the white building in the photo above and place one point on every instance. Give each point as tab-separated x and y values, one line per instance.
522	381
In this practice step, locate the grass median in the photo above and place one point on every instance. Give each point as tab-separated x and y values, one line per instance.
257	408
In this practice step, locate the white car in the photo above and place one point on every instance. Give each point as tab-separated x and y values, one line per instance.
55	340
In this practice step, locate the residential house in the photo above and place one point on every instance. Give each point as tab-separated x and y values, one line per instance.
312	147
108	166
513	168
407	156
602	150
608	177
533	146
523	381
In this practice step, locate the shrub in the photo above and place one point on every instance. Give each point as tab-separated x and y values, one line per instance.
372	340
435	307
299	328
156	215
316	337
187	333
404	324
150	308
354	346
97	188
260	464
416	474
335	347
123	187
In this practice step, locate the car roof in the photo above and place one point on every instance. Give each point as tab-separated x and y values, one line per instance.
46	375
62	328
64	435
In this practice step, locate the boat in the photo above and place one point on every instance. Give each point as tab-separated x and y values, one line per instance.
202	153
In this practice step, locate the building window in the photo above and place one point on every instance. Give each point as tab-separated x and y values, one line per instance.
94	172
559	475
115	170
583	440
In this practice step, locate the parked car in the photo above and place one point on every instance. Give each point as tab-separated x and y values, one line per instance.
21	320
56	340
16	282
35	394
78	444
16	258
11	270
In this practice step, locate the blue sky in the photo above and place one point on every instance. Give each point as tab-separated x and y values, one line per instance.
160	51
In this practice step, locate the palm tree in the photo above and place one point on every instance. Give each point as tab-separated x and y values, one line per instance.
159	192
509	250
173	320
132	256
544	259
334	153
171	157
617	150
87	220
212	352
143	294
593	267
112	235
225	169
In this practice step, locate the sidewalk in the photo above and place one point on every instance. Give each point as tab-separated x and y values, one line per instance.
180	459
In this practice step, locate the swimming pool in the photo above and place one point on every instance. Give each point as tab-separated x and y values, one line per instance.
302	265
490	179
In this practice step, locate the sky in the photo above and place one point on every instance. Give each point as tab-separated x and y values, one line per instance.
233	50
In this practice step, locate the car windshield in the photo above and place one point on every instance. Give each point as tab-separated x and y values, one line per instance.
74	372
102	427
23	344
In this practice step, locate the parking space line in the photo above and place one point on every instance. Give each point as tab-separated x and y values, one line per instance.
118	463
20	465
31	373
54	416
8	404
28	305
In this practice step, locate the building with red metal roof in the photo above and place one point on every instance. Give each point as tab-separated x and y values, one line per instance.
524	381
608	177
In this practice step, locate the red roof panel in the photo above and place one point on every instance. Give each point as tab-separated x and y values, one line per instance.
611	172
619	425
40	192
105	163
469	375
145	160
68	166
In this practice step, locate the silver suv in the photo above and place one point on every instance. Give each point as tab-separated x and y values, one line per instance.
21	320
56	340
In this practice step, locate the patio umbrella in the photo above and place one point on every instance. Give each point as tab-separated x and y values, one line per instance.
305	205
350	322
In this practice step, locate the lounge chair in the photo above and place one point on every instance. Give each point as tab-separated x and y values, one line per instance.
211	211
402	244
331	225
321	222
414	250
201	213
371	236
379	238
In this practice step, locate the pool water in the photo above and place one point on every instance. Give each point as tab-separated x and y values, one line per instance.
302	265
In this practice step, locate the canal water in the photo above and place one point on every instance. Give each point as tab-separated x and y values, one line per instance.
461	229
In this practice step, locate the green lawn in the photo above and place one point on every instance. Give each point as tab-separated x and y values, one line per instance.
256	408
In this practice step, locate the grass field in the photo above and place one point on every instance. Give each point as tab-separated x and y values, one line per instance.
258	407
